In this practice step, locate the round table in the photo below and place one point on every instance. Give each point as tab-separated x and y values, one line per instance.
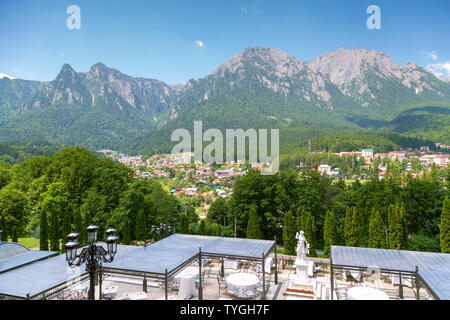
366	293
242	283
187	287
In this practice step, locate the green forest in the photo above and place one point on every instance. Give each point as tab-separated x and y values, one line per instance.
47	196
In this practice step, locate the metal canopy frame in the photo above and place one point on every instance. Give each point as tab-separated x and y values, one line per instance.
160	277
419	281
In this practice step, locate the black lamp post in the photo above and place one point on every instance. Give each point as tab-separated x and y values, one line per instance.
93	255
162	230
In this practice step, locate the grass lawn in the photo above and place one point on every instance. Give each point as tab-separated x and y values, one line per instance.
28	242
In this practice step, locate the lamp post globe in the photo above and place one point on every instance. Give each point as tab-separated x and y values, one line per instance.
92	255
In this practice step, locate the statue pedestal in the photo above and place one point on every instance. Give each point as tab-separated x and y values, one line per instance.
301	267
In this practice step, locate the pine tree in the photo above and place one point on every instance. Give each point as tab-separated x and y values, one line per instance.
127	232
289	240
184	224
329	233
86	223
397	227
253	226
43	242
141	226
201	228
307	225
377	231
67	227
354	234
14	235
3	227
78	225
348	225
54	231
445	227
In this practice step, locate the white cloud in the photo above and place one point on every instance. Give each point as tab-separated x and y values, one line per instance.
433	55
2	75
440	69
199	43
244	10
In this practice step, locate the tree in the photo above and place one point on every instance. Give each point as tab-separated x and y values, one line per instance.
348	225
55	204
184	224
127	232
218	211
12	209
4	236
377	231
354	234
43	242
54	231
78	224
67	224
329	233
201	230
141	228
253	226
289	231
397	227
14	235
307	225
445	227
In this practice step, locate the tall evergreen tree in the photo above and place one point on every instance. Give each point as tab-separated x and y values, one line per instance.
254	225
201	230
15	234
329	233
127	232
3	227
54	231
354	233
67	226
78	224
307	225
445	227
86	223
397	227
377	231
141	226
289	233
43	242
348	225
184	224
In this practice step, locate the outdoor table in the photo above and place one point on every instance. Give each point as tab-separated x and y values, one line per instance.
189	271
267	265
135	296
110	292
242	282
366	293
406	280
231	264
187	287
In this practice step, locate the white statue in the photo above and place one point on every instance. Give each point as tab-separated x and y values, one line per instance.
302	249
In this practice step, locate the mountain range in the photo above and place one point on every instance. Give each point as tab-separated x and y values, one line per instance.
260	87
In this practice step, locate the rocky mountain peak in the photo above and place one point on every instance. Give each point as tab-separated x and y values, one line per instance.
264	58
67	74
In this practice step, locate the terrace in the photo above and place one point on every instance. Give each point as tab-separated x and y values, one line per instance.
230	269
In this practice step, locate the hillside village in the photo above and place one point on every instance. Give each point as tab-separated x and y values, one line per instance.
206	182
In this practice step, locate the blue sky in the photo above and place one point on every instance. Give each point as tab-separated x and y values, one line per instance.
159	39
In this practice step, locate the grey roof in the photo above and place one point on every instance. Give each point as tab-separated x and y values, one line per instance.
168	253
434	268
38	277
9	249
174	250
14	255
